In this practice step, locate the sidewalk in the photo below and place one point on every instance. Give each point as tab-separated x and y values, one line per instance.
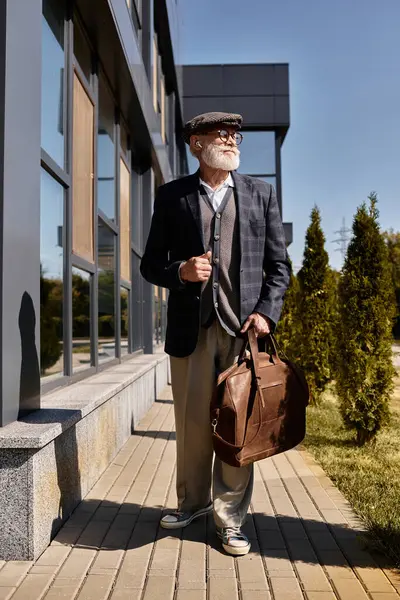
303	532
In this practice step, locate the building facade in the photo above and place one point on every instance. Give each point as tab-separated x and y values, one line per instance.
92	104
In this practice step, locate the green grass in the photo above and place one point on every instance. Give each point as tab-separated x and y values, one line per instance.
81	349
369	477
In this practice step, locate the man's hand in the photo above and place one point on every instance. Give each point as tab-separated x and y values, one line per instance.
197	268
259	323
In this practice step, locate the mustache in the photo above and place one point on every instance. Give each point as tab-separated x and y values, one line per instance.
229	148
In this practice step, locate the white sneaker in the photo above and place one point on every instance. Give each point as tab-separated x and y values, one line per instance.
234	542
178	519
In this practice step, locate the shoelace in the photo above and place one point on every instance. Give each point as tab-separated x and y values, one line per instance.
233	532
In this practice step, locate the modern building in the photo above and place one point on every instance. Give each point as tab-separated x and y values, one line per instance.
92	103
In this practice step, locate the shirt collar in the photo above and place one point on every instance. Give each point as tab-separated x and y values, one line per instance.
227	183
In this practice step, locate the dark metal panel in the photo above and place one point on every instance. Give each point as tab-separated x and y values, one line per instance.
55	171
203	80
257	111
20	206
281	80
67	241
281	111
248	80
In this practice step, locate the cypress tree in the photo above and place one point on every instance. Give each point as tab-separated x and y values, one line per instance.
314	310
287	332
392	240
366	304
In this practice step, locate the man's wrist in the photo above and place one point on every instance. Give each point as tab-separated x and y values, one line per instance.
181	279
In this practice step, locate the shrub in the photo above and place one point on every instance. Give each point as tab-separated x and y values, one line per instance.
314	325
366	305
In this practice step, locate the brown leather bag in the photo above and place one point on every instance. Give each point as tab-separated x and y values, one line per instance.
259	406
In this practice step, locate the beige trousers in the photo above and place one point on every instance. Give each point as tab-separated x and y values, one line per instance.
193	380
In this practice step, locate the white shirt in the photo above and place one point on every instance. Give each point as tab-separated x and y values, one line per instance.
216	196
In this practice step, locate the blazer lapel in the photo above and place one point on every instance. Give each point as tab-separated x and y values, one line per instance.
192	198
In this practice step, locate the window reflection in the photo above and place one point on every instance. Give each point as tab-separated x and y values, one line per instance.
257	153
105	153
106	253
53	80
81	343
51	275
82	51
124	321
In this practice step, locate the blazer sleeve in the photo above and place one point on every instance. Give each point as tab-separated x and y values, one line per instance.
155	265
277	267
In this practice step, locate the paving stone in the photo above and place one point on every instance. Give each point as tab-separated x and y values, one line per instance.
105	561
286	589
132	573
251	571
159	588
77	564
383	596
53	556
191	595
313	578
125	594
96	587
63	589
223	589
192	570
374	580
6	592
255	595
191	585
13	572
350	590
278	562
254	585
320	596
222	574
33	587
43	570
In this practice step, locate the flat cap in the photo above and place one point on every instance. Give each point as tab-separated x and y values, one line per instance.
207	121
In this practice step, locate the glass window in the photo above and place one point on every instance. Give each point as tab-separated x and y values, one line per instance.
106	239
257	153
82	51
124	321
53	80
106	152
81	343
51	275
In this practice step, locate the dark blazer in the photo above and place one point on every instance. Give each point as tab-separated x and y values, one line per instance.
176	234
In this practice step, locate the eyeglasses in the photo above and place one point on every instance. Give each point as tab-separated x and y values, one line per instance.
224	135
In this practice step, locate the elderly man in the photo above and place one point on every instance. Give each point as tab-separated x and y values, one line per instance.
217	243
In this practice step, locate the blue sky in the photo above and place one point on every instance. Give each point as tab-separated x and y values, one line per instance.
344	60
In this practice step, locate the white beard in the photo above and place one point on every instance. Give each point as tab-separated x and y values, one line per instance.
215	158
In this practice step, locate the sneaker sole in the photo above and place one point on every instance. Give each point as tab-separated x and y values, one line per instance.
236	551
181	524
232	550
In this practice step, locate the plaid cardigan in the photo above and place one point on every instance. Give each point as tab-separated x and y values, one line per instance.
176	235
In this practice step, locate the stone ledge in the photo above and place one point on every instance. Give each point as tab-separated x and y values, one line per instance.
66	406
